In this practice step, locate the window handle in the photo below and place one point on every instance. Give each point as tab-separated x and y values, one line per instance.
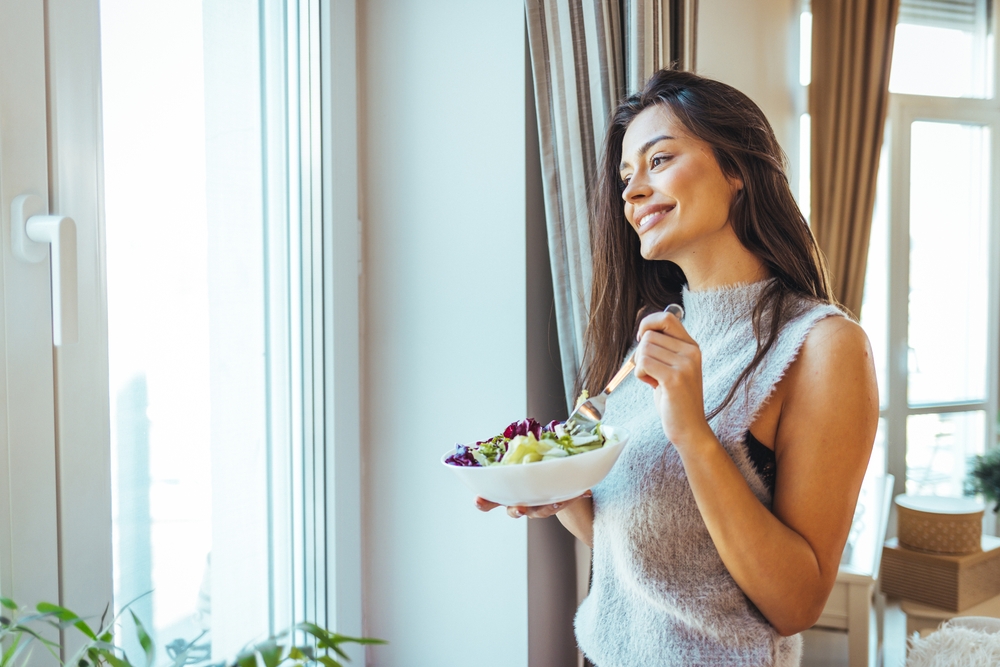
32	229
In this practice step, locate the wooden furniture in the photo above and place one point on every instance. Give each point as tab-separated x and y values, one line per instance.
850	607
926	619
952	582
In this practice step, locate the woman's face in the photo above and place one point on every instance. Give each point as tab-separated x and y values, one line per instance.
676	197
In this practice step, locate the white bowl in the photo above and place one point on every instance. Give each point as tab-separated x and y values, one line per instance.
542	482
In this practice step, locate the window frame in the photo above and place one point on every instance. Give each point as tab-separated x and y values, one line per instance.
904	110
56	518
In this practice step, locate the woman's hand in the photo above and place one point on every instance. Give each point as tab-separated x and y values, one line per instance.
535	512
669	360
576	514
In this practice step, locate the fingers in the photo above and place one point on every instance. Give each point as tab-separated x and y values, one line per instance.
662	359
652	371
542	511
484	505
666	323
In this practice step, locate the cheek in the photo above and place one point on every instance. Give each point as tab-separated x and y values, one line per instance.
714	198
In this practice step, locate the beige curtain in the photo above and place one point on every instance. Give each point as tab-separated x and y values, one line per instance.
577	69
658	34
848	101
579	62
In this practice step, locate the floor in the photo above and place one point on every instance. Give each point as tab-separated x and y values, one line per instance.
828	648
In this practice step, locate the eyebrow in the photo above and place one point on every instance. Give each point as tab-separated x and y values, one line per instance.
646	146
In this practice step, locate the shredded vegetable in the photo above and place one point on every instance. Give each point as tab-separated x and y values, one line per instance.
527	441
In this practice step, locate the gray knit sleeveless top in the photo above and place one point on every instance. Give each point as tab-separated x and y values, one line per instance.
660	594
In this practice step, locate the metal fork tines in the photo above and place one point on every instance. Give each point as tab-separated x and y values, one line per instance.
589	413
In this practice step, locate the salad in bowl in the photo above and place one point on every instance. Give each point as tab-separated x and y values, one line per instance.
530	464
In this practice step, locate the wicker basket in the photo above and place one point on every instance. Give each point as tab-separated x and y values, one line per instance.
939	525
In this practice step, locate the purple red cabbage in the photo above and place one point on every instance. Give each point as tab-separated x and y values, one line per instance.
462	457
523	427
463	454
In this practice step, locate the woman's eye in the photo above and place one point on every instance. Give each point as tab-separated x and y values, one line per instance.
625	181
660	159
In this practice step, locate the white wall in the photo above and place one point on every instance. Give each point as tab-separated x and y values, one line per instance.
754	47
443	214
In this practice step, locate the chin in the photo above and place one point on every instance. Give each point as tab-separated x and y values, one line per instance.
654	252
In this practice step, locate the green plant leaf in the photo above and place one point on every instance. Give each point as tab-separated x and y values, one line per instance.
145	641
25	649
112	659
247	659
5	660
359	640
7	602
329	662
324	638
67	617
270	652
21	628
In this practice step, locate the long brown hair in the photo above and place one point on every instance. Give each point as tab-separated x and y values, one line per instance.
763	215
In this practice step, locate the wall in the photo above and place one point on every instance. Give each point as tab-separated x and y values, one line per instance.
754	47
443	218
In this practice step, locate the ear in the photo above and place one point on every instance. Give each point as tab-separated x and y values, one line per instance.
736	183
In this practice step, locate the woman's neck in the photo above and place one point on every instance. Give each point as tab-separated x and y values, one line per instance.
719	262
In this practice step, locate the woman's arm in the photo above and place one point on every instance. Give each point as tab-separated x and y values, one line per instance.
577	514
785	560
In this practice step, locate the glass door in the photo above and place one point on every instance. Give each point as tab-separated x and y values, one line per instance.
200	310
181	456
932	302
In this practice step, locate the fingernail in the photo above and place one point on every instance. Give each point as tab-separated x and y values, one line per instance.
518	514
556	506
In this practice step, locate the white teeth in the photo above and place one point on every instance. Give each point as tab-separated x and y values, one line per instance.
649	216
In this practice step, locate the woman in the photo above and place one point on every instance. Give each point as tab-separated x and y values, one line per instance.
717	536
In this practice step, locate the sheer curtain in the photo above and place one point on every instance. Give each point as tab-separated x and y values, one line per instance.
584	57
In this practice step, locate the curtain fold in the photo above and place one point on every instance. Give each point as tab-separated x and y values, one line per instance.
848	102
577	70
658	34
580	53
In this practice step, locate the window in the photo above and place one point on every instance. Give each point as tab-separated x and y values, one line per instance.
228	248
931	292
932	286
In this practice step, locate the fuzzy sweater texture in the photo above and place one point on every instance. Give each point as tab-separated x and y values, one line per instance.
660	595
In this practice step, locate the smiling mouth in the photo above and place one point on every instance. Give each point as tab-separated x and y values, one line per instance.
654	217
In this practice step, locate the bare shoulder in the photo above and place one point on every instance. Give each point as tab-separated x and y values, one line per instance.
835	357
836	350
831	384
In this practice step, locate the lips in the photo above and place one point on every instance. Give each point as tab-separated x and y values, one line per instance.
647	216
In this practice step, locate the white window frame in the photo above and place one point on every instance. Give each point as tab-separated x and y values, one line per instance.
55	511
903	111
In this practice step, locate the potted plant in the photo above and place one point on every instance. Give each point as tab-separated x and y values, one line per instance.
984	478
22	632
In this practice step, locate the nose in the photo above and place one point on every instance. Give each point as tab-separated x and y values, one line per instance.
637	188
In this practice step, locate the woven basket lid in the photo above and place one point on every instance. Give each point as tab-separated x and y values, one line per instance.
940	504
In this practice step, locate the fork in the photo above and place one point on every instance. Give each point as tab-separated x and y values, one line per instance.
587	414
